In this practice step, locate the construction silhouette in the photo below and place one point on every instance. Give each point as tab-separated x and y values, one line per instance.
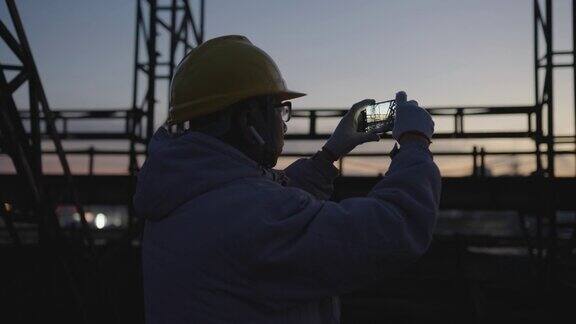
73	273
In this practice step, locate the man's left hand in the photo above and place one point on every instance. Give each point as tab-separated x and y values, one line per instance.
346	136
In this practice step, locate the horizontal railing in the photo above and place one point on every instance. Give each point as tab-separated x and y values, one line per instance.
101	117
66	117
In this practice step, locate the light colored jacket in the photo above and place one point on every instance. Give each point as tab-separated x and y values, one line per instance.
224	243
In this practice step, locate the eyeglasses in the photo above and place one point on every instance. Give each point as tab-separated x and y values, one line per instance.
285	110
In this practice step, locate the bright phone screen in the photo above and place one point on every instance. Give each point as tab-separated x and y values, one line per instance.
378	114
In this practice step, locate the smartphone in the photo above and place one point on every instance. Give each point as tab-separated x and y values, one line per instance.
379	116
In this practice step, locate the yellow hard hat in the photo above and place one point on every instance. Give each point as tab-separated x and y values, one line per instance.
221	72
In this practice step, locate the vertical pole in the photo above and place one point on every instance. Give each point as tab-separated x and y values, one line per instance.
185	22
150	95
456	124
549	90
574	74
172	53
482	162
459	121
173	41
184	31
475	161
91	161
133	117
202	13
312	127
36	152
537	104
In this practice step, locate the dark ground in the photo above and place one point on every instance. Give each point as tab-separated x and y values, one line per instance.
449	285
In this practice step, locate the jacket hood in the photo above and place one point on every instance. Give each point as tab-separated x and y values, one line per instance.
178	169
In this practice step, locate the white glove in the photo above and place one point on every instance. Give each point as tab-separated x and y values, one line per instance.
411	119
346	137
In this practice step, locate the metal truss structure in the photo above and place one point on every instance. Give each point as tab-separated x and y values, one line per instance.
179	23
25	148
175	20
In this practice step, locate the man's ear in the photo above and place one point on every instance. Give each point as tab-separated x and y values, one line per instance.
250	121
254	113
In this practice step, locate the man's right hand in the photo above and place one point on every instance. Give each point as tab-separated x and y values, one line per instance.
411	121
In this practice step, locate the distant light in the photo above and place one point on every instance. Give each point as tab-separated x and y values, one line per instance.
76	217
89	217
100	221
7	207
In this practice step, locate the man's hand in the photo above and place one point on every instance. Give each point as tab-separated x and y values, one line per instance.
346	137
412	123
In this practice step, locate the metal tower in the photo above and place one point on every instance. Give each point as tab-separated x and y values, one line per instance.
175	21
25	148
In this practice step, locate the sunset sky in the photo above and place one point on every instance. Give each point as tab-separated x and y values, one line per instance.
442	52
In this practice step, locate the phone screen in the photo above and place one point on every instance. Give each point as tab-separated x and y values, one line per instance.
378	116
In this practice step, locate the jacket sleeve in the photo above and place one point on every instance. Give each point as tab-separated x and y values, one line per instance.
326	248
314	176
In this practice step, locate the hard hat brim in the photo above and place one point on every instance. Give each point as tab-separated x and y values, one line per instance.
289	94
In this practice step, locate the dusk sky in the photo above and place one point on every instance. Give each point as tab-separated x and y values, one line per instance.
442	52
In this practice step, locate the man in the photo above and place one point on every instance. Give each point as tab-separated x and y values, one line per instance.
229	240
